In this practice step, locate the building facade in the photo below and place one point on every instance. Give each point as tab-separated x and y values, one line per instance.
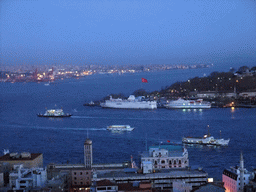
29	160
88	153
27	179
236	178
164	157
81	177
78	176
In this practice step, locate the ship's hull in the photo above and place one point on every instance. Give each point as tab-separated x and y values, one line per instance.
188	106
54	116
120	128
199	141
130	105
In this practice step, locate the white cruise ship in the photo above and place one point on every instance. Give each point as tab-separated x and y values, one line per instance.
189	104
130	103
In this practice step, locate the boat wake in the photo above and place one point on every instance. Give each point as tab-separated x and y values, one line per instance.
129	118
58	128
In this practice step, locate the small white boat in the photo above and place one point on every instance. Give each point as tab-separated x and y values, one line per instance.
120	128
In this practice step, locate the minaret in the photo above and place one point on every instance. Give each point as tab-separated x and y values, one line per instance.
88	153
241	172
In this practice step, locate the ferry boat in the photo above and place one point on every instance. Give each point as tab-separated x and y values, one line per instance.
54	113
130	103
120	128
205	140
188	104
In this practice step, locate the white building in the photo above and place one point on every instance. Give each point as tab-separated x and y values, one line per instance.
164	157
236	177
25	179
247	94
207	94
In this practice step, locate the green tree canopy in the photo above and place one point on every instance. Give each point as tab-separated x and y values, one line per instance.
243	69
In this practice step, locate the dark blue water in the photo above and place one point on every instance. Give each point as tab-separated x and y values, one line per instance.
61	140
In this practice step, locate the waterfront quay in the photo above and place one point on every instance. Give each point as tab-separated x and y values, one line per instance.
52	73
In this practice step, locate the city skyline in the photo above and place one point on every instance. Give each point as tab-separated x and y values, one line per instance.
127	32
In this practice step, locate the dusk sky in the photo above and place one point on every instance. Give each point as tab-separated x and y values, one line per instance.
112	32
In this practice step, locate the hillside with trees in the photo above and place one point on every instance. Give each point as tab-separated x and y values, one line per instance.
244	79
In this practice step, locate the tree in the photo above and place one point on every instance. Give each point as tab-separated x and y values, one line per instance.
243	69
140	92
253	69
232	69
214	74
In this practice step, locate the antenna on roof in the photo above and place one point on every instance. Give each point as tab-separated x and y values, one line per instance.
87	133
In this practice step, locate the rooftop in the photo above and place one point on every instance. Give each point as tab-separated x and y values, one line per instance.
173	150
32	156
120	173
105	182
131	187
168	147
210	187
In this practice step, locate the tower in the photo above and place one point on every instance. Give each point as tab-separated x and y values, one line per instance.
88	153
241	169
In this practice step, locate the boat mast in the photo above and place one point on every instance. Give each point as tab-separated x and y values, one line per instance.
208	131
220	134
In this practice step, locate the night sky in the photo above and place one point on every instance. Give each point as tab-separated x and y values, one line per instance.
79	32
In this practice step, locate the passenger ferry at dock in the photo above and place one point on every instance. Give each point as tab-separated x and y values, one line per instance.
130	103
188	104
120	128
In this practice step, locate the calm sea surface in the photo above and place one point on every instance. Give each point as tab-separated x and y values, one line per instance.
61	140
